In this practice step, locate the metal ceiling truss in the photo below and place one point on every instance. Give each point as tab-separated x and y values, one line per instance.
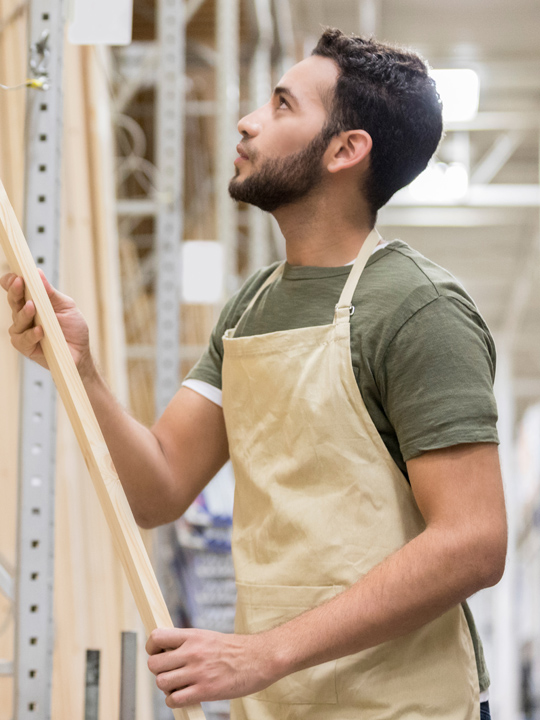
498	155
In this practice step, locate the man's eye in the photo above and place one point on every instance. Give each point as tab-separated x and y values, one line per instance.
282	101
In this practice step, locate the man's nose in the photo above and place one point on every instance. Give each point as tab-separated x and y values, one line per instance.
249	125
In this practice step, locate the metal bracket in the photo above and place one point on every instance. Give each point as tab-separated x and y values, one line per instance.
91	695
128	676
40	55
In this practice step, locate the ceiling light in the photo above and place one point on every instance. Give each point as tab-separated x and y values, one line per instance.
459	91
441	183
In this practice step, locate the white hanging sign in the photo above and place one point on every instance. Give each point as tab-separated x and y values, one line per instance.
100	22
202	271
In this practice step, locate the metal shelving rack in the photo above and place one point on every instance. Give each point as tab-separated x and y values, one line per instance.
32	590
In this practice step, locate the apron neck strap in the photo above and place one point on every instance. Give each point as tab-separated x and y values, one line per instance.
344	309
270	279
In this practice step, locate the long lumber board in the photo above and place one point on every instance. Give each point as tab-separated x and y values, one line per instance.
126	535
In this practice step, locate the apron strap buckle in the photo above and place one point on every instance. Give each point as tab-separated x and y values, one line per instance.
341	315
351	308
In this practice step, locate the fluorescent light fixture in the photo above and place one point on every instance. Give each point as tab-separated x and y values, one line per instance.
456	180
459	91
441	183
202	271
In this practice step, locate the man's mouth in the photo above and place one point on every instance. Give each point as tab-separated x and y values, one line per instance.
241	152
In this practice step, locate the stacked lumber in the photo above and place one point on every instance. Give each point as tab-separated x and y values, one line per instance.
12	72
140	325
93	603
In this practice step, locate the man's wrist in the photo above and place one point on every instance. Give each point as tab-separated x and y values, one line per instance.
277	653
87	369
300	643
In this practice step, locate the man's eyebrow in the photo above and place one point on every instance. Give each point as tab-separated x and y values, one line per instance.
280	90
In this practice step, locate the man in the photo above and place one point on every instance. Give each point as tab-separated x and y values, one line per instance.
357	408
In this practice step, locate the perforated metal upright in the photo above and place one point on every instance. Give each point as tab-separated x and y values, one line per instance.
35	540
170	162
170	109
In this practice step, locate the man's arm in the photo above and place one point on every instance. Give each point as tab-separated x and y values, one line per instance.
462	550
163	469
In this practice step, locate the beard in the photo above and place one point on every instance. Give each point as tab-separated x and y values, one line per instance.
283	181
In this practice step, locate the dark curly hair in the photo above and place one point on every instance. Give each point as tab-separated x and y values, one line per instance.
387	92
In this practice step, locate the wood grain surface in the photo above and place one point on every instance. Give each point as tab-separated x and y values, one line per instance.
126	535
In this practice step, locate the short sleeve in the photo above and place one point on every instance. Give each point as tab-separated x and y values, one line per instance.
437	379
208	367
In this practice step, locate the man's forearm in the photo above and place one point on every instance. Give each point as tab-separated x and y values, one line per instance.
410	588
135	451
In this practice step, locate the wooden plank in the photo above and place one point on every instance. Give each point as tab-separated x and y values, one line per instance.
95	64
127	538
140	324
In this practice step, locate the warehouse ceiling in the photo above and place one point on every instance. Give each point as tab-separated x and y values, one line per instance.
490	238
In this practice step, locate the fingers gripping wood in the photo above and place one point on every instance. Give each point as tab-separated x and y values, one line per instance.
126	535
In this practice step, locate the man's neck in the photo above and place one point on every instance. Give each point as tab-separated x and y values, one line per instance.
321	236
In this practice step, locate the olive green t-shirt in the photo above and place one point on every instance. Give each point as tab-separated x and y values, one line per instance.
422	355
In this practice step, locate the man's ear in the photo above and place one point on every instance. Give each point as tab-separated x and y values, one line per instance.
349	149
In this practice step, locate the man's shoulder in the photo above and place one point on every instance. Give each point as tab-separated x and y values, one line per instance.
401	286
400	281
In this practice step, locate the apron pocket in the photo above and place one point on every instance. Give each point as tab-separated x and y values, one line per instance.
262	607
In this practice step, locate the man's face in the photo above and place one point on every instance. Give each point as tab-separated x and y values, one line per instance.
281	154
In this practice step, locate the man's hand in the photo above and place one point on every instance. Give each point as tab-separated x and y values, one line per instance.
194	666
26	336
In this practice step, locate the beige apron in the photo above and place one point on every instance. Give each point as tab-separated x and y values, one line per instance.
319	502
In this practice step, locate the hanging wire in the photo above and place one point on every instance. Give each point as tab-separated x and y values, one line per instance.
132	141
39	59
40	83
